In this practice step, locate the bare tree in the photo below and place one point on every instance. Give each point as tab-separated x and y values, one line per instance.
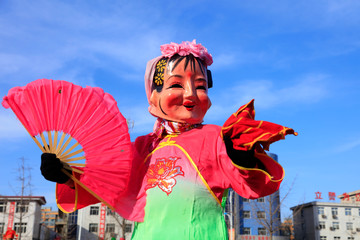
287	228
268	212
24	178
121	222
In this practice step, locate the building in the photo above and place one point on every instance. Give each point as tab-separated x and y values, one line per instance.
328	220
23	214
66	225
48	217
253	218
98	221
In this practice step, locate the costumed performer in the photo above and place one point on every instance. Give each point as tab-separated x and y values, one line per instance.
181	170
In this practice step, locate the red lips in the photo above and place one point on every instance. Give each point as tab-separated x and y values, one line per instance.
189	105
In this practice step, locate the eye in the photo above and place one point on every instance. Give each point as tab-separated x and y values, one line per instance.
175	85
201	87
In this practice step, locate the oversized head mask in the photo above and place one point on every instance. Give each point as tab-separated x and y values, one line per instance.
177	82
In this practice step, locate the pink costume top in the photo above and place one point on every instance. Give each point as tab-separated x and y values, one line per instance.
177	180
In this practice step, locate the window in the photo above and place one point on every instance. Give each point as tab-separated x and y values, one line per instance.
20	228
335	225
128	227
349	226
94	210
93	227
110	228
22	207
246	200
261	231
351	238
261	199
337	238
2	227
2	207
73	218
260	214
247	231
322	237
348	211
109	211
246	214
321	210
334	211
321	225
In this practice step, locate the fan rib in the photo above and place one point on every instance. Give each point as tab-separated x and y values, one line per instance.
69	150
60	143
78	164
71	154
44	142
65	144
55	140
38	143
74	159
73	169
50	142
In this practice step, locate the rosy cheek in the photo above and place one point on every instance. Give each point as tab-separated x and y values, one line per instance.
170	99
204	100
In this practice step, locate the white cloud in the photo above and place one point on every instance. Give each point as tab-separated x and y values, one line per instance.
307	14
10	127
347	146
59	38
307	90
142	119
223	60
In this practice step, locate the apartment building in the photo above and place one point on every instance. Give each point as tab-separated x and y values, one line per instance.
98	221
48	217
327	221
22	214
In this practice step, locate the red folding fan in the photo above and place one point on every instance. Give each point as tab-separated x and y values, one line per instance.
83	127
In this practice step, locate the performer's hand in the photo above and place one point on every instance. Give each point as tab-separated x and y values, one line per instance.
51	168
241	158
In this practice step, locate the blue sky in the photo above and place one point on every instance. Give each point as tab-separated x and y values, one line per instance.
299	60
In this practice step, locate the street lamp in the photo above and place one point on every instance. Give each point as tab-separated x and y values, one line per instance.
230	216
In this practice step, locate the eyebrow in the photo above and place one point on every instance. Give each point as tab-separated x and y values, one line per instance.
176	75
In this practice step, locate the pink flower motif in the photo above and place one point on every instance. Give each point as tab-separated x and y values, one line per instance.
186	48
162	174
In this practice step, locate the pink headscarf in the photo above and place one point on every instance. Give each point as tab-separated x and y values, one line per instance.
169	50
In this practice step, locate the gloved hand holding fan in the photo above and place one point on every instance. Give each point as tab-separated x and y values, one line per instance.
82	131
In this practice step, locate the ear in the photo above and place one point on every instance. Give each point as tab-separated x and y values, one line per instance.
154	101
209	103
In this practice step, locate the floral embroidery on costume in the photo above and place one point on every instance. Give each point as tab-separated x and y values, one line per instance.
163	173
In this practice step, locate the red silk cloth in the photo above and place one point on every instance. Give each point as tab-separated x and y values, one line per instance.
247	133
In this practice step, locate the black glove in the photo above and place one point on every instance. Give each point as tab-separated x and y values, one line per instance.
51	168
244	159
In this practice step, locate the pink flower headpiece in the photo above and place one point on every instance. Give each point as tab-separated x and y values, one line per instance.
186	48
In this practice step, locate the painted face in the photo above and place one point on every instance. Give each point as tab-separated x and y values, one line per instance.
184	95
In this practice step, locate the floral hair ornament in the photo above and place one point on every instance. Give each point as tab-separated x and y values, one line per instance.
168	50
159	72
187	48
